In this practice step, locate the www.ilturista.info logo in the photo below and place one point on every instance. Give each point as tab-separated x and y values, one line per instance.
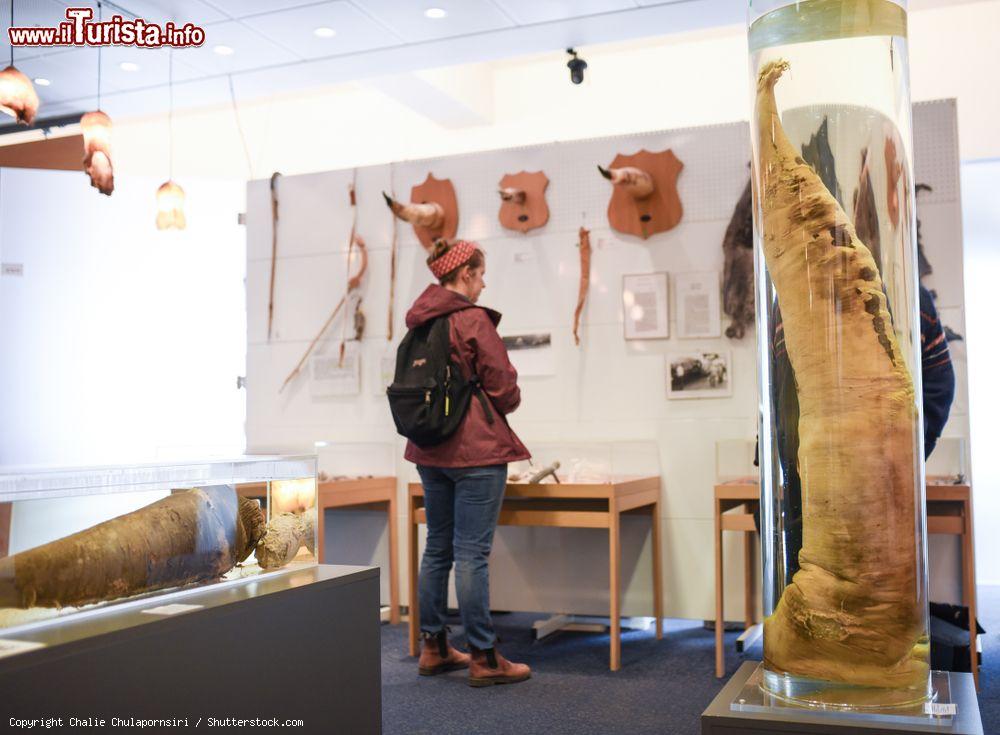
80	30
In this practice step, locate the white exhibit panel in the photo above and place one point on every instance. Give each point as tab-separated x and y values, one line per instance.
608	391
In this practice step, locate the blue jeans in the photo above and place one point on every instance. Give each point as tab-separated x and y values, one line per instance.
462	506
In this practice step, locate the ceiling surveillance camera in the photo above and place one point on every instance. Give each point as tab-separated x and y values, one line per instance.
576	67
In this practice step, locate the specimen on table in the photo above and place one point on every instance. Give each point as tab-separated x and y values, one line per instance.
17	95
644	198
522	200
543	473
353	283
96	129
190	536
286	534
737	278
432	210
274	249
851	613
584	281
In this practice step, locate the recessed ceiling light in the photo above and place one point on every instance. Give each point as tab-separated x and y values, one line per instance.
224	50
42	81
129	66
436	13
324	32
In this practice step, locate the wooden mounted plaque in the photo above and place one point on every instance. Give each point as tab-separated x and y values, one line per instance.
523	206
633	209
442	193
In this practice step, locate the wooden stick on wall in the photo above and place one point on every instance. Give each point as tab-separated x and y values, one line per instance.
274	249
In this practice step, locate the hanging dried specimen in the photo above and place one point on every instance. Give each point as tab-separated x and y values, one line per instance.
191	536
352	284
286	534
865	212
392	277
584	281
17	96
545	472
737	279
817	153
849	613
522	201
893	174
433	210
644	199
274	249
96	129
170	207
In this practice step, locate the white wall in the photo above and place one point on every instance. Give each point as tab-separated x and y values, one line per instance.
606	390
120	343
981	222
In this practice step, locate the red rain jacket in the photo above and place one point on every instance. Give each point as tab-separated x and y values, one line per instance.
478	350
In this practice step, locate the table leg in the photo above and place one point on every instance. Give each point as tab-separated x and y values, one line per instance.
720	656
657	571
969	585
614	548
413	562
393	560
750	615
5	509
321	535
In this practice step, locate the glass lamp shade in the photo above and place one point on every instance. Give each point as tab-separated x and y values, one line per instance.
170	207
96	129
17	95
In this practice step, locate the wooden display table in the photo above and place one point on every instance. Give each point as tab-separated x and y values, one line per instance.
366	493
949	511
591	505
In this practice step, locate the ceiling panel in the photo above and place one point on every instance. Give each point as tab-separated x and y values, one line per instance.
153	67
406	17
543	11
157	11
73	74
250	50
244	8
355	31
45	13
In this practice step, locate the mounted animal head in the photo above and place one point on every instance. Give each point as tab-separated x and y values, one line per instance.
523	206
432	210
635	181
644	198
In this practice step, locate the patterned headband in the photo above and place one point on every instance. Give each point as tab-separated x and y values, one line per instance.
457	255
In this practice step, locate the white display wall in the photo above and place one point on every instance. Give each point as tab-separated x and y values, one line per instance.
605	390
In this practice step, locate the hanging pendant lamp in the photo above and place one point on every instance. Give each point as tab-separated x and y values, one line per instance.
170	196
96	129
17	94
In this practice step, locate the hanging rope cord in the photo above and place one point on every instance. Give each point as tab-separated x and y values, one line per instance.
12	25
100	19
239	125
170	114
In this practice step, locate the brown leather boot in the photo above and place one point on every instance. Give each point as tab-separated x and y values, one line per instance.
437	657
489	667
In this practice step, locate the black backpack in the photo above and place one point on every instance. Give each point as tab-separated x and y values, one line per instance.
428	396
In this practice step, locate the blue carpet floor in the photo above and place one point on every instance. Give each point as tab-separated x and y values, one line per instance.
662	688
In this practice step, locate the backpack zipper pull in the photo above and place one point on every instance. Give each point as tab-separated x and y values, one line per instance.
427	398
447	395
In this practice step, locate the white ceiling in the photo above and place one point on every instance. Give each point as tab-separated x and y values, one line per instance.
275	49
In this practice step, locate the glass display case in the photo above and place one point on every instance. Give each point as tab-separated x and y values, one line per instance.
337	460
842	472
579	463
82	541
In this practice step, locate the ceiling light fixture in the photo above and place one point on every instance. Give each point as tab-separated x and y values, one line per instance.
576	67
170	196
96	129
324	32
17	95
129	66
41	81
436	13
222	50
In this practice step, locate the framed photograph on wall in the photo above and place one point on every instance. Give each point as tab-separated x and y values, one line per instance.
646	306
699	374
698	305
531	354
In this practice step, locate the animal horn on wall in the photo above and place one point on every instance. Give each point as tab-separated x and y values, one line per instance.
430	215
511	194
634	180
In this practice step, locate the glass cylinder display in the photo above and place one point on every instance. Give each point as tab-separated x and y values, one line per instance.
841	443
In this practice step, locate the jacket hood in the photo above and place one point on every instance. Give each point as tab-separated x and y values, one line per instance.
438	301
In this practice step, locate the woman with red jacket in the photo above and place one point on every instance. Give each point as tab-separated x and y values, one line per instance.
464	477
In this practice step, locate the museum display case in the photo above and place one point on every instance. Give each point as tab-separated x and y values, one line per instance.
83	542
582	463
337	460
842	470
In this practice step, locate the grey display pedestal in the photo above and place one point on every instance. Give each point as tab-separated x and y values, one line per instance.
302	645
721	719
